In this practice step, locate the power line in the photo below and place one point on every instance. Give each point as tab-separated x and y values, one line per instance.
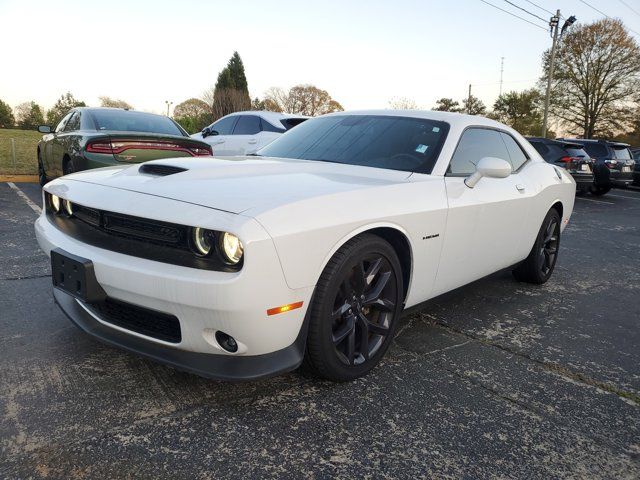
630	7
541	8
602	13
525	10
514	15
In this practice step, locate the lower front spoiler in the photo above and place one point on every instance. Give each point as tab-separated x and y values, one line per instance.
217	367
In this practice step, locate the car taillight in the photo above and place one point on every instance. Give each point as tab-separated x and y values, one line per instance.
567	159
611	163
100	146
116	147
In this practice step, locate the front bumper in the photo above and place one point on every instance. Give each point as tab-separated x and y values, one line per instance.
203	301
218	367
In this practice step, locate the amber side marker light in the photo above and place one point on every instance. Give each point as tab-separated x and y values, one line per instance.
284	308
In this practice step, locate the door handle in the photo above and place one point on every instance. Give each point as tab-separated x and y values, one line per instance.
253	141
218	143
520	187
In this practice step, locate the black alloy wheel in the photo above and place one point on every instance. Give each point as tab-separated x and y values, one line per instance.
538	266
355	309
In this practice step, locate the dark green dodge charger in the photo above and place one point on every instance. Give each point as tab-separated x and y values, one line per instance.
100	137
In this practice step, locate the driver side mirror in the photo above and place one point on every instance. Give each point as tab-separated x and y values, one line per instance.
206	131
44	129
490	167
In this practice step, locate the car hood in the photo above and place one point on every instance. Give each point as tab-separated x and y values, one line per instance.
240	184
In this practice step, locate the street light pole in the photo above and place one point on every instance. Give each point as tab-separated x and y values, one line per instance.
168	105
553	23
469	101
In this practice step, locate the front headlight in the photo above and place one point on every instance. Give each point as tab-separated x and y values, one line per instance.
68	207
55	203
202	241
231	248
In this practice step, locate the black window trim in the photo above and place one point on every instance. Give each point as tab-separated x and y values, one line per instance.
235	121
485	127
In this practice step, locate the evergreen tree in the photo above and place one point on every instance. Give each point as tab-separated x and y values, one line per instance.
231	93
61	108
6	116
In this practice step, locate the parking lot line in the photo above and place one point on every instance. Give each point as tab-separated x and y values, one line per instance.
624	196
24	196
592	200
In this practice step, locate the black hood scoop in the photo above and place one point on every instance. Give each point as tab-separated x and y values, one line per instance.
160	169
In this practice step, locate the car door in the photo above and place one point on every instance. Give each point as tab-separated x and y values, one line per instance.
58	146
245	135
484	231
220	143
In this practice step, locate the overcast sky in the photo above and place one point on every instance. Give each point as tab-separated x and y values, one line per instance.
362	52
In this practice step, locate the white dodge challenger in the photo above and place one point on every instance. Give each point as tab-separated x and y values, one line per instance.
242	267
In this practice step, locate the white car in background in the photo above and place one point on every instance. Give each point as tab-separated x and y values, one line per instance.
238	268
243	133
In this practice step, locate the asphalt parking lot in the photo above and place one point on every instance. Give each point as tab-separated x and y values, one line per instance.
498	379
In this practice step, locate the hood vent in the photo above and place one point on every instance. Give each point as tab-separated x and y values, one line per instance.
160	169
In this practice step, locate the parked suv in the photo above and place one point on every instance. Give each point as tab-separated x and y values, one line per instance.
612	158
636	170
568	155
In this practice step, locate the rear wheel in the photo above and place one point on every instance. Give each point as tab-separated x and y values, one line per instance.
539	265
355	309
599	191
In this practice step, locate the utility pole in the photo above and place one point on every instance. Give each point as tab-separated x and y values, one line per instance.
501	72
168	105
469	101
553	23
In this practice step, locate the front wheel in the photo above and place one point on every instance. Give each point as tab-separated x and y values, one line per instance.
539	265
599	191
355	309
42	175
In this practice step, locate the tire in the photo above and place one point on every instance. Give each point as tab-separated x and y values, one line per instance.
68	167
358	299
42	175
599	191
539	265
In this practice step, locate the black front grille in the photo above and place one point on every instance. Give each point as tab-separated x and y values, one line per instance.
160	170
138	319
143	229
88	215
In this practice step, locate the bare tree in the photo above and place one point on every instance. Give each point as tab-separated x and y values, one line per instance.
303	100
402	103
597	74
114	102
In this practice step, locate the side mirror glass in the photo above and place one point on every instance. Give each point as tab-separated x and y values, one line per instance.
213	132
490	167
44	129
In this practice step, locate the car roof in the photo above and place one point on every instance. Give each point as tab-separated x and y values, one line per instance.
457	119
595	140
559	142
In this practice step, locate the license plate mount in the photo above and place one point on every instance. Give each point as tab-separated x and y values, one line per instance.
76	276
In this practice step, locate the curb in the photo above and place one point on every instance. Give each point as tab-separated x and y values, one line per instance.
19	178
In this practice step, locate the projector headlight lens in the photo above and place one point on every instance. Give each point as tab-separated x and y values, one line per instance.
202	241
68	207
231	247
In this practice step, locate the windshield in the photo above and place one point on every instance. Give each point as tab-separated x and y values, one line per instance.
576	152
397	143
127	121
621	153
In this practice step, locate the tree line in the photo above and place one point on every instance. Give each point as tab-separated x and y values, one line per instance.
595	93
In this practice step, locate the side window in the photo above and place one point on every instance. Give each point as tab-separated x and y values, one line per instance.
73	123
63	122
224	126
247	125
516	154
475	144
267	127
